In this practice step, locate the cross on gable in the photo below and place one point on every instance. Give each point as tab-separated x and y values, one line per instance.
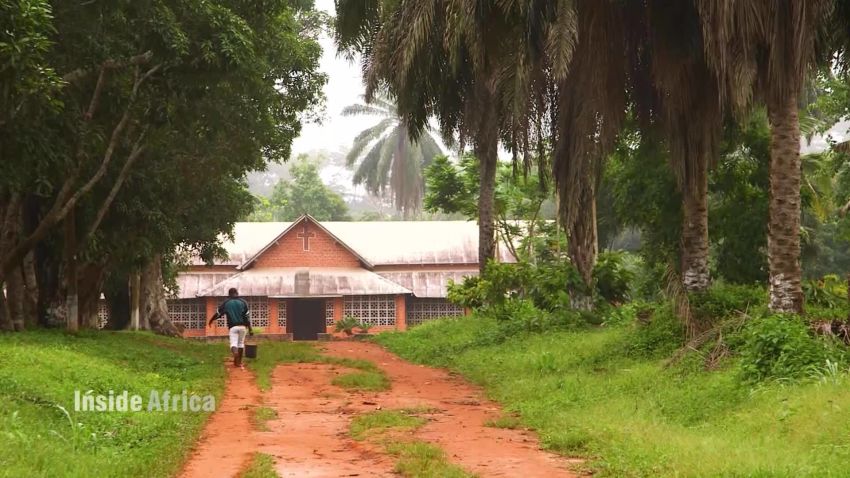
305	234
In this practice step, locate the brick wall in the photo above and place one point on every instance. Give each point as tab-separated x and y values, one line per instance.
324	251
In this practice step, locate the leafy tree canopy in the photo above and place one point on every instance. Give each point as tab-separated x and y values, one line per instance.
304	194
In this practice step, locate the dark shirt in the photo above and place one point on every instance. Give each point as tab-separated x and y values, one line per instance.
236	311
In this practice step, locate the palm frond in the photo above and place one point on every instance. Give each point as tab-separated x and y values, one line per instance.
388	149
561	39
361	110
365	137
367	170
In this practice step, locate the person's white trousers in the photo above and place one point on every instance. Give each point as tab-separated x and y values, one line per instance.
237	336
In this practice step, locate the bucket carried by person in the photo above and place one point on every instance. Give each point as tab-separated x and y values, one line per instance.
251	351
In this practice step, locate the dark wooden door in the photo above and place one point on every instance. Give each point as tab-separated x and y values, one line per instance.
307	319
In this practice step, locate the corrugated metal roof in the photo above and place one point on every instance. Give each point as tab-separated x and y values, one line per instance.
307	218
380	243
306	282
427	283
190	284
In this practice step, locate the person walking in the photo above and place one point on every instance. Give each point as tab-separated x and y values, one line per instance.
235	309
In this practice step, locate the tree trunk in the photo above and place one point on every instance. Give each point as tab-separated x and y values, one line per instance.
90	285
51	296
154	308
486	150
135	300
583	246
695	273
30	292
72	315
5	320
783	233
118	297
15	299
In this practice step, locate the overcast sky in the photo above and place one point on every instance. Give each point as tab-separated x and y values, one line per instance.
344	87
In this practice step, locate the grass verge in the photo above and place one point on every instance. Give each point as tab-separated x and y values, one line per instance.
370	381
509	422
262	466
589	394
270	354
261	416
419	459
416	458
368	376
364	426
41	433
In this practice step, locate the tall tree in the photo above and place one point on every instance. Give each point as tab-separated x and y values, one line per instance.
306	194
152	94
388	157
465	62
766	49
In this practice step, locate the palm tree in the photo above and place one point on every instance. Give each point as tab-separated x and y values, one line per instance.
464	61
765	49
386	157
690	109
630	55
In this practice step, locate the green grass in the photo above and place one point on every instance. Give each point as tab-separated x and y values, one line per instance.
272	354
262	466
416	458
261	416
381	421
419	459
370	381
40	372
589	394
509	422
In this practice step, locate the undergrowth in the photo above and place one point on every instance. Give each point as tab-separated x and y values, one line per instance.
757	395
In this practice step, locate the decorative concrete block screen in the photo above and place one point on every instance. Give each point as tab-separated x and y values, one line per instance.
190	313
281	314
329	312
423	310
371	309
257	306
102	313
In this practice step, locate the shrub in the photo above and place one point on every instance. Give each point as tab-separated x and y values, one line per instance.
830	292
659	336
722	300
612	277
649	280
347	325
545	285
782	347
521	315
629	313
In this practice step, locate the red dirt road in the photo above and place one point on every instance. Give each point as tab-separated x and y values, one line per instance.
309	437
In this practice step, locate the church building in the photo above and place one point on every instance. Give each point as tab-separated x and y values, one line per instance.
300	278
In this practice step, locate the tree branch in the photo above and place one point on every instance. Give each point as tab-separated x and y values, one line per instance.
59	210
110	64
95	98
138	149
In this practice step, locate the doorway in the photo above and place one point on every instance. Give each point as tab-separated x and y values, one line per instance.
307	320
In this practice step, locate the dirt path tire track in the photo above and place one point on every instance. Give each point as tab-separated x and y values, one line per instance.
310	438
459	427
219	452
